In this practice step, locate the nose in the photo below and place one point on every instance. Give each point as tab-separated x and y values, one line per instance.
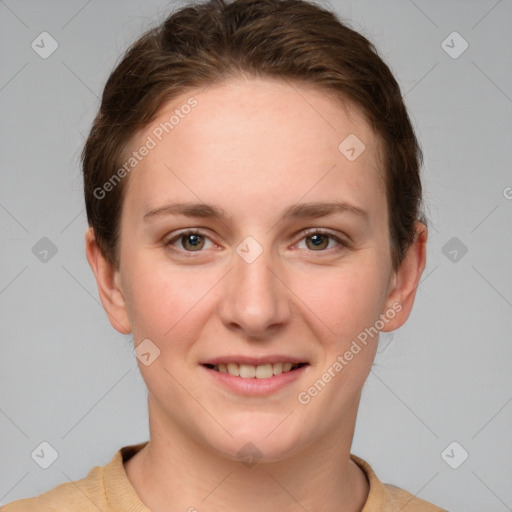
256	301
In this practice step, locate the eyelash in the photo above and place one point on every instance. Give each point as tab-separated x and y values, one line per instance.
307	233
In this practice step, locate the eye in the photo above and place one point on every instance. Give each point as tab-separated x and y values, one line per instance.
190	241
319	240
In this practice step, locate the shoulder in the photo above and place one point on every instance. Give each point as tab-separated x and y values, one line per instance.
390	498
84	495
105	488
407	502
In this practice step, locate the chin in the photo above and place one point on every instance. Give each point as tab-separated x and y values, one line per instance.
262	440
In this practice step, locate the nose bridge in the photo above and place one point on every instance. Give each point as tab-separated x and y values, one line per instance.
256	300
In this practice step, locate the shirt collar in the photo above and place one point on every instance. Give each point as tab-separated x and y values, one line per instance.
123	497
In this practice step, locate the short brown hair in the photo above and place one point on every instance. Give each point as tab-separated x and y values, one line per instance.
288	39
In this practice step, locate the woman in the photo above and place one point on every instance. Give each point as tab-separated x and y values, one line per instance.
254	201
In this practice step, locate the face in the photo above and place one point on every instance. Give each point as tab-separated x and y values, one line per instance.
257	271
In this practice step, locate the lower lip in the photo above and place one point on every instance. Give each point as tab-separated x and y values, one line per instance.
254	386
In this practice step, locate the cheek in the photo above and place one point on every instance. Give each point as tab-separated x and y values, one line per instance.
343	301
342	308
164	299
170	304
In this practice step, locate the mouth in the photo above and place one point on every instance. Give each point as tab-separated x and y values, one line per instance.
261	371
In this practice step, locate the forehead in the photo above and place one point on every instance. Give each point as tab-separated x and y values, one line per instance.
256	142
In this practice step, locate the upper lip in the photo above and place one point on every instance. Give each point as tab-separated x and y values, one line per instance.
254	361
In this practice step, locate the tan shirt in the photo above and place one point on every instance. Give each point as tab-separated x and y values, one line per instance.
107	488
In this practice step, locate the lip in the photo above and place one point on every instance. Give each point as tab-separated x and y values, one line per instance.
254	386
254	361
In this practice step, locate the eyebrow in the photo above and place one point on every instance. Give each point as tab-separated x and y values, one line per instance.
297	211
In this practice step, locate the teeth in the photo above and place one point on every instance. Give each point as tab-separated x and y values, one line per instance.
247	371
262	371
278	368
233	369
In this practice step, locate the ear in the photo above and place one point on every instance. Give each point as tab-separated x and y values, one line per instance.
108	281
406	280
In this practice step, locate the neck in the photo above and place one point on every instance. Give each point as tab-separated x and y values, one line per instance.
174	472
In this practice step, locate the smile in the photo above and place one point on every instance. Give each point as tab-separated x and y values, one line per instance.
249	371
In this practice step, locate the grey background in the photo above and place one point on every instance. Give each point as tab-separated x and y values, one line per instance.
68	378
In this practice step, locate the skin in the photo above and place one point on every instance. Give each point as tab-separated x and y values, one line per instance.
254	147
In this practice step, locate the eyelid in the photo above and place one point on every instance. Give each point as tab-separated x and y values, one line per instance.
168	242
325	231
343	244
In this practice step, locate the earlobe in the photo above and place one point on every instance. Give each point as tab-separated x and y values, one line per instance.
108	282
406	280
